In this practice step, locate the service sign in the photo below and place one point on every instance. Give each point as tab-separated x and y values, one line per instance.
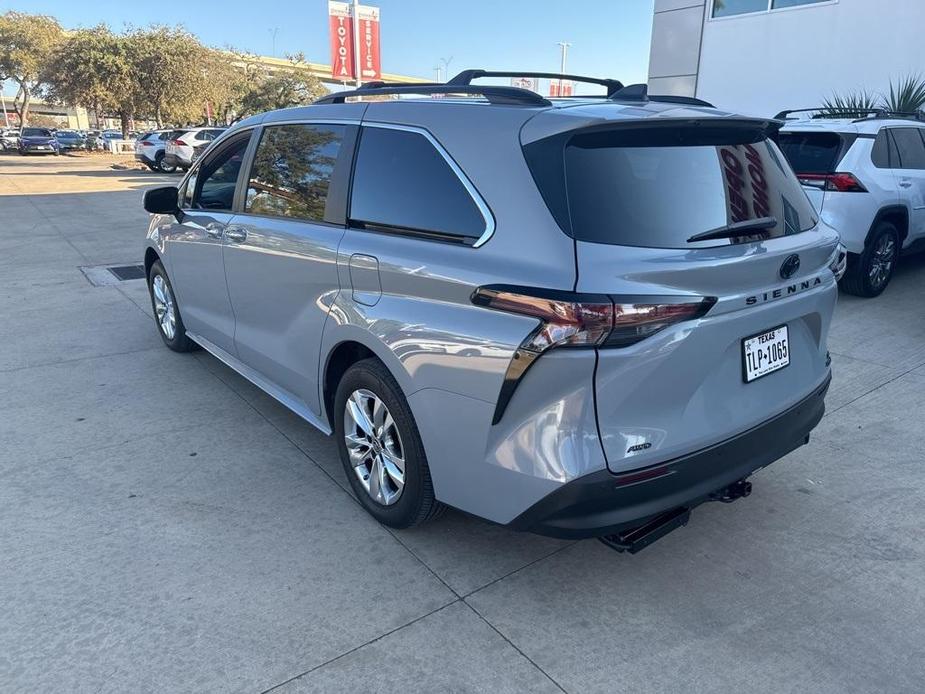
343	52
369	43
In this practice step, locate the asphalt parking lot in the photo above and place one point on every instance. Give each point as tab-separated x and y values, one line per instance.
166	527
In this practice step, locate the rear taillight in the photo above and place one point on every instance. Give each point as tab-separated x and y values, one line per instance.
145	143
178	143
838	263
836	182
568	319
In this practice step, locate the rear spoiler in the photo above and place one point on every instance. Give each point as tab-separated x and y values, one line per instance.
538	129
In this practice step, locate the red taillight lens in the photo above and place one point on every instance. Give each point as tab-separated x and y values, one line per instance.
635	322
563	322
145	143
835	182
580	320
178	143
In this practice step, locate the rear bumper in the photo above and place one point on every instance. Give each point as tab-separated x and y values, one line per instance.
173	160
602	503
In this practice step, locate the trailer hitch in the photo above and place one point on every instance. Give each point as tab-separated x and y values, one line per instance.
735	491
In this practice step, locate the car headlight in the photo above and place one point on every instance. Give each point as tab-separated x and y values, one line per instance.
839	261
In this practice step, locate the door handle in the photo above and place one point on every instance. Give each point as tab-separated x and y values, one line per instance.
236	234
905	184
214	229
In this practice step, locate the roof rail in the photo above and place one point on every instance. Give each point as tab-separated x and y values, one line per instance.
822	112
511	96
466	77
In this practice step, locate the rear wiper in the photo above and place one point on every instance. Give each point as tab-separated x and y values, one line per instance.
737	229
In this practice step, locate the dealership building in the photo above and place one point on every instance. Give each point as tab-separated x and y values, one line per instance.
762	56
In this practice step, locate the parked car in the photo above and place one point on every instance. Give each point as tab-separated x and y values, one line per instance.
101	140
579	318
179	150
69	140
866	176
150	147
37	141
9	139
198	151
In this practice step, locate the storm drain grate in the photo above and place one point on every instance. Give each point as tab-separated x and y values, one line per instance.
108	275
128	272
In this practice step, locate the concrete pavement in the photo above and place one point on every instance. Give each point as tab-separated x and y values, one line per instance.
167	527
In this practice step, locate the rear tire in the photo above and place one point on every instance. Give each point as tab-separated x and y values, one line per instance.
161	165
166	311
869	273
389	435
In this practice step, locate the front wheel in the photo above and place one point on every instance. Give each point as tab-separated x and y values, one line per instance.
381	449
166	312
869	273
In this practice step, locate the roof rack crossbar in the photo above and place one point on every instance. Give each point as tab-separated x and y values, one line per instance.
512	96
466	77
823	112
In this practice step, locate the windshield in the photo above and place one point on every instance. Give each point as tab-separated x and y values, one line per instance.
36	132
658	188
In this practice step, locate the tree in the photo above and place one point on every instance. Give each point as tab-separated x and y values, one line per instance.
180	74
267	89
26	44
95	68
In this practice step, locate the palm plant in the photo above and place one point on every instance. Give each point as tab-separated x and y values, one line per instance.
906	96
848	105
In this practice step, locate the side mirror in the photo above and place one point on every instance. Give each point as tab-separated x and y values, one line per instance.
162	200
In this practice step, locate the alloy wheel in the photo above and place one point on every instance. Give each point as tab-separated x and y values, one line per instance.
164	306
881	263
374	446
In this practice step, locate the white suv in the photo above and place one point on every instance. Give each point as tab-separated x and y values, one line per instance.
178	152
866	176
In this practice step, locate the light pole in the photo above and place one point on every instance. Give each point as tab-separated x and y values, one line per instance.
437	73
446	67
6	118
273	33
564	46
356	40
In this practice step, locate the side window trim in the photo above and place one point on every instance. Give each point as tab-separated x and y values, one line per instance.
480	203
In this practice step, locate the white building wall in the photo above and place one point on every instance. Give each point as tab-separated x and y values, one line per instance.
674	56
793	58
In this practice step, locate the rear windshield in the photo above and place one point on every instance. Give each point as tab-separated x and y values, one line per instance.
659	187
816	153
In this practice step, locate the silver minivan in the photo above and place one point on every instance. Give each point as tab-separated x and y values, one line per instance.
580	317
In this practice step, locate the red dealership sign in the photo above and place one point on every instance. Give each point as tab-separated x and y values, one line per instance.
560	88
343	50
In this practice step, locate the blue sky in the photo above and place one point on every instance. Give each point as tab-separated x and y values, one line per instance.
608	38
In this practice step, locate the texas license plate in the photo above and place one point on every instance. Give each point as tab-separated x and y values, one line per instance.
765	353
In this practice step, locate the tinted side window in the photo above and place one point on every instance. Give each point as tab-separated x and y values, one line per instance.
883	155
402	181
292	170
217	177
911	148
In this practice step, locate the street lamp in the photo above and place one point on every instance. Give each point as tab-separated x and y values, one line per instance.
564	46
